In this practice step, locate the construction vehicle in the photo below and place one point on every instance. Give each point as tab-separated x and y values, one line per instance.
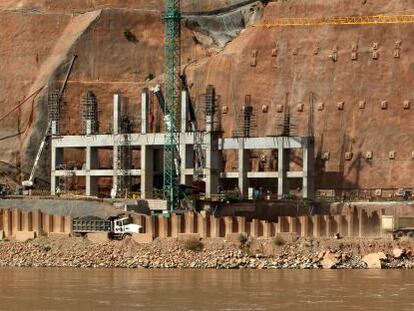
4	190
117	227
398	226
29	183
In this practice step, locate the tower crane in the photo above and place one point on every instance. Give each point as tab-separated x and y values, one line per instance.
172	90
347	20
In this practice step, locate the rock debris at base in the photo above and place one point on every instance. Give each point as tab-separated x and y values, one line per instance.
215	254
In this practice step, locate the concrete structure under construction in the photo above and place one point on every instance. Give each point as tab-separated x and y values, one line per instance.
149	147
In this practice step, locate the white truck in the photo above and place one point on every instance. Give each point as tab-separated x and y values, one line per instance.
118	227
398	226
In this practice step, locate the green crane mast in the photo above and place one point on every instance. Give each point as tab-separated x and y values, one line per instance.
172	92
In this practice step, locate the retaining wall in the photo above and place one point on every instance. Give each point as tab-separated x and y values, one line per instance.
15	223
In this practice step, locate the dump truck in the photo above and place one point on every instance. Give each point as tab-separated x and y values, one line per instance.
117	227
398	226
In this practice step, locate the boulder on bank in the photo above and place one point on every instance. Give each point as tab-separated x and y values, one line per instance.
329	261
373	260
398	253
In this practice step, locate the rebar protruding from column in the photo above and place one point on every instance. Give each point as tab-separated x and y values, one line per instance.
89	114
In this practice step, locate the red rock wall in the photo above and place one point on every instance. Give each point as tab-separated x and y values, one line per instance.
108	62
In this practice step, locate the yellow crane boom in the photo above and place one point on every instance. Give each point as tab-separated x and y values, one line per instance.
352	20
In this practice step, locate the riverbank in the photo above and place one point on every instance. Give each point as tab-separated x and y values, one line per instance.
242	253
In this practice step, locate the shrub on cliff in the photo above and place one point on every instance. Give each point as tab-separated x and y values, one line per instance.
278	240
193	244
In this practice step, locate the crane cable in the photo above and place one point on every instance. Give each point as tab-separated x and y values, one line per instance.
34	94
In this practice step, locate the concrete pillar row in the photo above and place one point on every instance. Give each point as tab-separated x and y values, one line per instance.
329	225
304	226
241	224
68	224
47	223
37	222
292	225
16	221
162	226
254	228
317	226
27	221
267	228
176	224
202	225
350	224
214	226
150	225
7	222
228	225
189	222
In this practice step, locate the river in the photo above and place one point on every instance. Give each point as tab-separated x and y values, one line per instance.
118	289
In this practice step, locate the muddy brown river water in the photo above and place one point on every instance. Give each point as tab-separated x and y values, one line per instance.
117	289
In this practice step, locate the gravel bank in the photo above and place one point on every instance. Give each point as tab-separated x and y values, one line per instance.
214	254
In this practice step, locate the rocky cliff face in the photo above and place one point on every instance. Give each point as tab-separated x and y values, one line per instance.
358	104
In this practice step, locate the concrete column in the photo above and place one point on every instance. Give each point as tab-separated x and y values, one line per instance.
202	225
47	223
176	221
7	222
228	225
184	110
214	227
350	223
212	170
149	225
329	225
292	225
147	171
27	221
254	228
362	222
279	225
162	226
58	223
186	155
189	222
16	221
241	224
68	224
317	225
308	161
304	226
283	224
37	222
283	167
144	114
339	224
117	112
243	168
267	228
56	160
91	183
115	130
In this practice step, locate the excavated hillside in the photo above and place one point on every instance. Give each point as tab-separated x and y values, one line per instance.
343	84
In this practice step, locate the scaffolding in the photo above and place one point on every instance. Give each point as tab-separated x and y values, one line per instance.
54	110
246	123
89	114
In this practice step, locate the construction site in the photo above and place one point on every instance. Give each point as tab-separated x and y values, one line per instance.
208	117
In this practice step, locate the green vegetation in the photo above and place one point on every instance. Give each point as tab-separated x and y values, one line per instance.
193	244
278	240
149	77
130	36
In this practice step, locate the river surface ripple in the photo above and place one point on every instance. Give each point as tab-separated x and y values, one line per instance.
122	289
